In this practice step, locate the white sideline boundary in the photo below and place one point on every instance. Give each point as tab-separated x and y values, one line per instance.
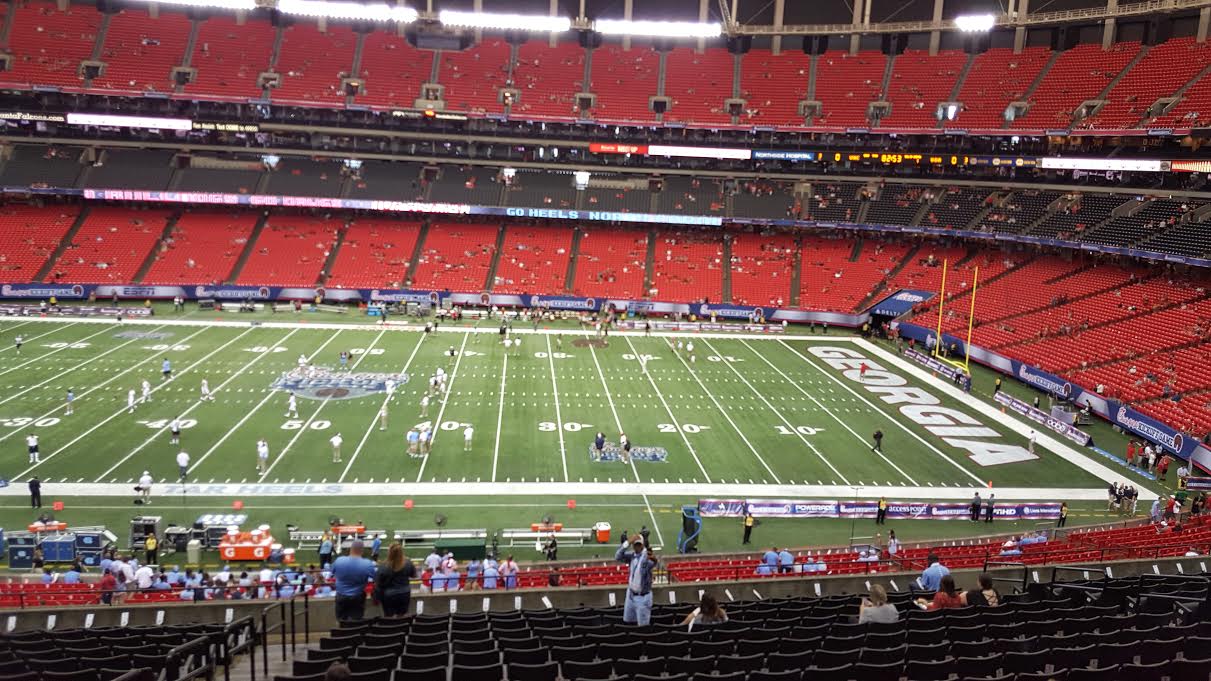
987	410
407	489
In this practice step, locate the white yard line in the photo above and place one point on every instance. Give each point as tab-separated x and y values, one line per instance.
727	416
13	346
197	403
123	410
59	376
618	423
500	414
455	490
100	385
828	411
442	410
58	350
375	418
307	423
563	451
676	423
772	408
896	421
1045	440
264	400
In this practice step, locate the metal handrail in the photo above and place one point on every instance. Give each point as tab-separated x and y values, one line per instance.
1016	582
186	651
239	637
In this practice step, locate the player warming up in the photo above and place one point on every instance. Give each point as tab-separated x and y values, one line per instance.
70	402
336	447
146	392
468	432
292	409
206	396
262	456
165	370
31	441
878	442
130	401
175	427
18	341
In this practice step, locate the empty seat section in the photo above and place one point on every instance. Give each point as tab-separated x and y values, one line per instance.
1085	212
897	204
691	196
919	82
1159	73
392	70
1193	107
762	267
374	254
698	84
290	251
1078	74
48	45
996	78
772	87
1018	211
955	207
229	57
201	248
764	199
533	260
830	280
611	263
688	267
835	201
473	77
924	270
140	52
846	84
312	63
110	246
623	80
28	236
456	257
548	79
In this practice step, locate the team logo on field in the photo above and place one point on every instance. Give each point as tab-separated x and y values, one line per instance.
327	384
612	452
143	335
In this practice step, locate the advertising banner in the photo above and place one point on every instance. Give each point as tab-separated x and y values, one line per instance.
896	510
1043	418
900	302
934	364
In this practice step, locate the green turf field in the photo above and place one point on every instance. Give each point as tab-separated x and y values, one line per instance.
741	416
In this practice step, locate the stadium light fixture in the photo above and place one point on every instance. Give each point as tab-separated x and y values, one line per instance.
657	29
348	10
518	22
975	23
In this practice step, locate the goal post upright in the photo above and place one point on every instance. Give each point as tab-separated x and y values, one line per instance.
971	319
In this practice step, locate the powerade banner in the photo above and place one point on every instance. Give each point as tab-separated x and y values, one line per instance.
73	311
41	291
1170	439
934	364
1043	418
897	510
900	302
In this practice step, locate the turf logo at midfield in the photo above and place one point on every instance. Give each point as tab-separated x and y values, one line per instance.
612	452
328	384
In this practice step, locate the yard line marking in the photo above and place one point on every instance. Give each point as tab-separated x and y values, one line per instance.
500	415
100	385
123	410
374	419
32	338
676	423
442	410
59	375
269	396
307	423
726	415
618	423
65	347
198	402
776	412
563	453
870	404
828	411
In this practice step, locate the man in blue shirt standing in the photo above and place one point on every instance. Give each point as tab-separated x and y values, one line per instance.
786	561
642	562
352	573
931	578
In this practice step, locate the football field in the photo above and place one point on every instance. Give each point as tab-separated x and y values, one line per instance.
741	416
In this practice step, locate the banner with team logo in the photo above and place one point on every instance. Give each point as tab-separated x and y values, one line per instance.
900	302
869	508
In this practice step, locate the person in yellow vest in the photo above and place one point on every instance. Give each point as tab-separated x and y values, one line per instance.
881	518
996	387
748	526
152	547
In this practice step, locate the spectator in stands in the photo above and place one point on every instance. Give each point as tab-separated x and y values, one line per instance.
72	576
642	563
875	607
931	577
770	558
947	596
352	573
474	568
393	583
707	613
786	561
338	672
48	576
985	595
508	571
893	544
490	575
764	570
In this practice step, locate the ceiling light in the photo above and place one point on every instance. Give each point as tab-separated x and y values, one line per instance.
348	10
519	22
975	23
